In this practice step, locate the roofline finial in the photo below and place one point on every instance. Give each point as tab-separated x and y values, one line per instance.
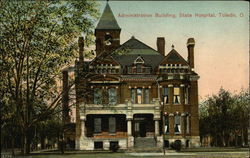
172	46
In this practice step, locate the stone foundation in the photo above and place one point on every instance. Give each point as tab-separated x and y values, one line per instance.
88	143
130	142
193	141
159	141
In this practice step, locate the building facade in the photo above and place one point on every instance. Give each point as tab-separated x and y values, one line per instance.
132	95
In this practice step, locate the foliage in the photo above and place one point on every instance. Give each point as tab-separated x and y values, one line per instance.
176	145
38	38
224	117
114	147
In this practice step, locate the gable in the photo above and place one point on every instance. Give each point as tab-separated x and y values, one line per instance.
134	46
139	60
174	57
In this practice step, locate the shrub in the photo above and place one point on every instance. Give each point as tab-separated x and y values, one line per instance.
176	145
114	147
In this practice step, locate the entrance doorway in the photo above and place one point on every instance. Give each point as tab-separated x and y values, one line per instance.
140	129
143	125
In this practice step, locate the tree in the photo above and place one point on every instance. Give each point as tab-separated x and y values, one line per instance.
224	117
38	38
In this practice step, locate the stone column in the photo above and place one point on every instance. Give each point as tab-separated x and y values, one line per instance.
83	129
129	127
157	132
81	144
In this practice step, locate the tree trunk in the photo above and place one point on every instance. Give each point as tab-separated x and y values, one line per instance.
236	139
42	141
27	142
62	143
12	145
22	142
223	139
242	138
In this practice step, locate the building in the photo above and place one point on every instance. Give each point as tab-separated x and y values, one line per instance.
132	95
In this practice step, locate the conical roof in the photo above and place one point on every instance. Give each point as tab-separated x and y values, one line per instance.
107	20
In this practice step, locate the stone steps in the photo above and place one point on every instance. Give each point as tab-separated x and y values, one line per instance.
144	143
145	150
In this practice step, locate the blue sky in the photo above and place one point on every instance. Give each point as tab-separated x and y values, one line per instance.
222	43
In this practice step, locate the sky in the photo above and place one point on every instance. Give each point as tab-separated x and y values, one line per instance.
222	42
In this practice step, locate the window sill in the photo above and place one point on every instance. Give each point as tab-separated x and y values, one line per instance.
97	134
112	134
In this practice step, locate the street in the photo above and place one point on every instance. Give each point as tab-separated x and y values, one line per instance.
235	154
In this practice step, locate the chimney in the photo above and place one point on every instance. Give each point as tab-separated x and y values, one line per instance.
190	47
161	45
81	48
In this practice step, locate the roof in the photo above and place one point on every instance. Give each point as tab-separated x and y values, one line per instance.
137	47
138	77
134	48
107	20
174	57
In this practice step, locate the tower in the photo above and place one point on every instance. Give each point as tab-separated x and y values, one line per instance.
107	32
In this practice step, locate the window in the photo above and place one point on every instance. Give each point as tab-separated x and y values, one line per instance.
176	95
139	68
97	125
112	125
166	129
186	95
177	124
97	96
112	96
113	144
98	145
166	95
146	96
139	95
133	95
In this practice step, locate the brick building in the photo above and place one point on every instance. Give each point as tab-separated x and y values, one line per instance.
133	95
